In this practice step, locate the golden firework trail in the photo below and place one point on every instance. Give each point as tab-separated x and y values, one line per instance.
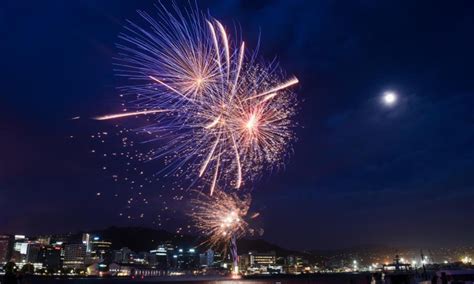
127	114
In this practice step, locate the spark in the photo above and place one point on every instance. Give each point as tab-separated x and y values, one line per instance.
239	67
214	180
127	114
169	87
239	166
255	215
226	46
213	123
269	97
211	153
285	85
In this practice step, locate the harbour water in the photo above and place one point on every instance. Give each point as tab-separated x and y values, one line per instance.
337	278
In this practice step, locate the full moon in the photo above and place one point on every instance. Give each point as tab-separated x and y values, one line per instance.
389	98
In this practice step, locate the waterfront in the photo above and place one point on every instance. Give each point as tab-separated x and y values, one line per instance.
332	278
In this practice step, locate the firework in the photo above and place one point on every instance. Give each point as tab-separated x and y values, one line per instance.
214	111
222	219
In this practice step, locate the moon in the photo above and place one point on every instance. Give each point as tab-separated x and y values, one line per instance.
389	98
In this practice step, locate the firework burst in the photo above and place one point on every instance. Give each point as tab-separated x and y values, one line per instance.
214	111
222	218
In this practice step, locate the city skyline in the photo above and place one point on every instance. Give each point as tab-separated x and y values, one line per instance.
384	153
158	251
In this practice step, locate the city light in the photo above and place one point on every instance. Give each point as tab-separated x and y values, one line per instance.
355	266
466	260
180	257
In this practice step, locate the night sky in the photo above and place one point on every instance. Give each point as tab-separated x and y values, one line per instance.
360	172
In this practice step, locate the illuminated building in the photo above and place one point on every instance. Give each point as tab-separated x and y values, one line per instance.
160	257
294	264
142	258
99	247
133	270
262	259
6	247
86	240
74	256
244	262
62	239
44	240
185	259
20	248
259	263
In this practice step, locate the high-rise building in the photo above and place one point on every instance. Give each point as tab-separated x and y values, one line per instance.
86	240
20	248
6	248
33	252
74	256
50	256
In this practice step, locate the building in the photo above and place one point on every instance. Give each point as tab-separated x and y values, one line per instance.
262	259
259	263
99	248
133	270
74	256
6	248
207	259
294	264
185	259
33	252
50	256
97	269
143	257
62	239
244	262
20	248
44	240
123	255
162	257
86	240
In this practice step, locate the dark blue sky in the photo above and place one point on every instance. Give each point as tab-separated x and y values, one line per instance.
361	173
